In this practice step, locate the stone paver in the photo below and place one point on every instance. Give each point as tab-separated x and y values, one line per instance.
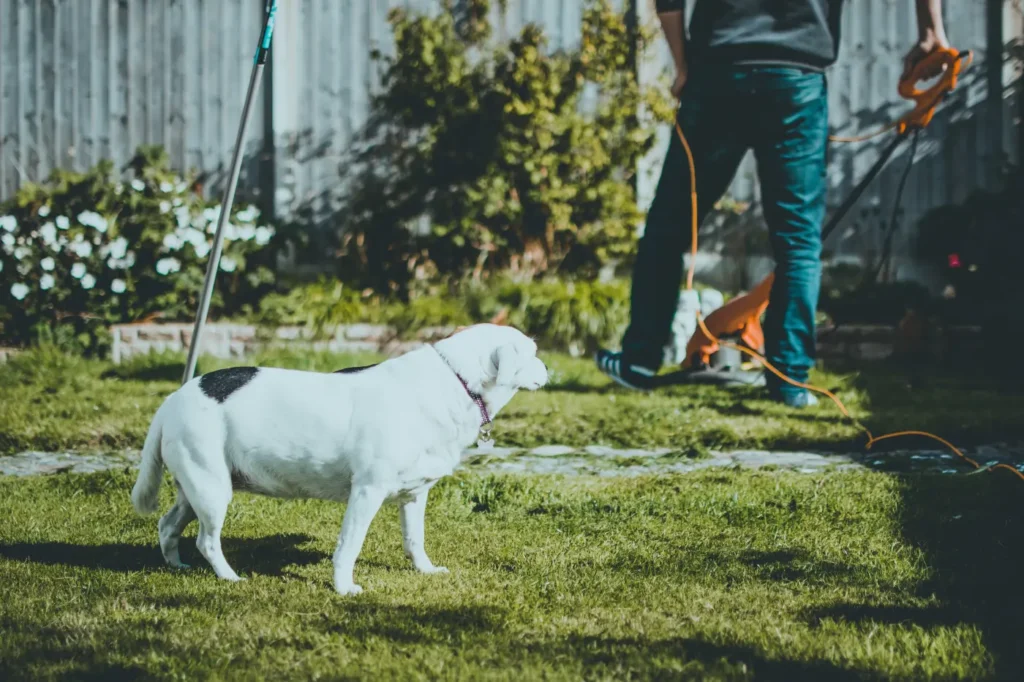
599	460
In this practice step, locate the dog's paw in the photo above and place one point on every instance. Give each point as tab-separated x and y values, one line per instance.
348	590
433	570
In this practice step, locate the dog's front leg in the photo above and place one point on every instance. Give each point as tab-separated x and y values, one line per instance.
363	504
413	512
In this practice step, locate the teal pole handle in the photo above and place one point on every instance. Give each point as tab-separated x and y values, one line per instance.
268	33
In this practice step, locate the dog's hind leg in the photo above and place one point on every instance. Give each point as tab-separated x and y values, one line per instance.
363	504
412	512
171	526
206	483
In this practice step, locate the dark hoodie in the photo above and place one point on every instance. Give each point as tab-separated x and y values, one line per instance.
801	33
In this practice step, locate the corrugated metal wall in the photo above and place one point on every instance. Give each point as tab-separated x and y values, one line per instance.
84	80
88	79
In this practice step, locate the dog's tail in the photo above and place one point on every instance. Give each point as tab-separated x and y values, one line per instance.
146	493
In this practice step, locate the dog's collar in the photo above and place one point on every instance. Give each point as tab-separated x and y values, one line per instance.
485	417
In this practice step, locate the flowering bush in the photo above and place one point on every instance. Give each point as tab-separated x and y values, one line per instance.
84	250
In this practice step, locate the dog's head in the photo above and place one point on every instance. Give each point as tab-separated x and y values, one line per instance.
495	357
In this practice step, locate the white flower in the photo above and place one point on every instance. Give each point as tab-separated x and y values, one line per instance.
118	286
181	187
173	241
78	270
118	188
47	264
81	248
63	222
176	201
264	235
165	207
44	210
182	215
88	282
228	264
249	214
230	232
166	186
202	249
93	220
46	282
138	185
119	247
49	234
166	266
194	237
19	290
20	252
122	263
8	223
212	214
247	233
7	239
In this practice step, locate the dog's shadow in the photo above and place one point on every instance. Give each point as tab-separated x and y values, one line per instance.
271	555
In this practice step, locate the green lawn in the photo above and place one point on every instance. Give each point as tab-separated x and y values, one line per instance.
721	575
717	576
49	401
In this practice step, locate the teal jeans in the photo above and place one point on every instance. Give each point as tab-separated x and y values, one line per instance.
782	115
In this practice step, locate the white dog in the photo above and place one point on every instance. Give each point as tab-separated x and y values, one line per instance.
364	435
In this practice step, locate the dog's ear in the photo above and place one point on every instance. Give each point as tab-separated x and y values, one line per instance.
501	319
508	363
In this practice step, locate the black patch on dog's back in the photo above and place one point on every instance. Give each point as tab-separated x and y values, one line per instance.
354	370
221	383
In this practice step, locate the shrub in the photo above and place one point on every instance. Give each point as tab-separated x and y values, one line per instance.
83	250
575	316
501	150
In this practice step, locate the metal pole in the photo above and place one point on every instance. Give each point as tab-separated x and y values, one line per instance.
854	195
259	61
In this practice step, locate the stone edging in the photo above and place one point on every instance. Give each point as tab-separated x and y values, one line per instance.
597	460
224	340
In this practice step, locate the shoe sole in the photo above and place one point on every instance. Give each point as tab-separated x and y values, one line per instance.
625	384
619	380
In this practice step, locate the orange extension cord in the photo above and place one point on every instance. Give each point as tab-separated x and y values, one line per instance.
928	100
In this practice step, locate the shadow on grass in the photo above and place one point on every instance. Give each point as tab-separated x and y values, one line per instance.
970	529
598	655
271	555
156	371
972	534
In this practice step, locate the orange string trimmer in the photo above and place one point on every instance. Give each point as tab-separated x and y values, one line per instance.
927	100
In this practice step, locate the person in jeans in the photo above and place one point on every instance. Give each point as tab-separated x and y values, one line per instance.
750	76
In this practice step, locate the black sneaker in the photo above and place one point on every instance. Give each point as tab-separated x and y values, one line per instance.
635	377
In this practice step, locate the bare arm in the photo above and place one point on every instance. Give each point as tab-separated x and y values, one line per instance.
929	21
931	36
673	25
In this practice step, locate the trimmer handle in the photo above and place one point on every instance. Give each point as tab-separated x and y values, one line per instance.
948	61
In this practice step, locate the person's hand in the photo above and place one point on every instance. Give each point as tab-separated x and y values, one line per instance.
924	47
680	81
